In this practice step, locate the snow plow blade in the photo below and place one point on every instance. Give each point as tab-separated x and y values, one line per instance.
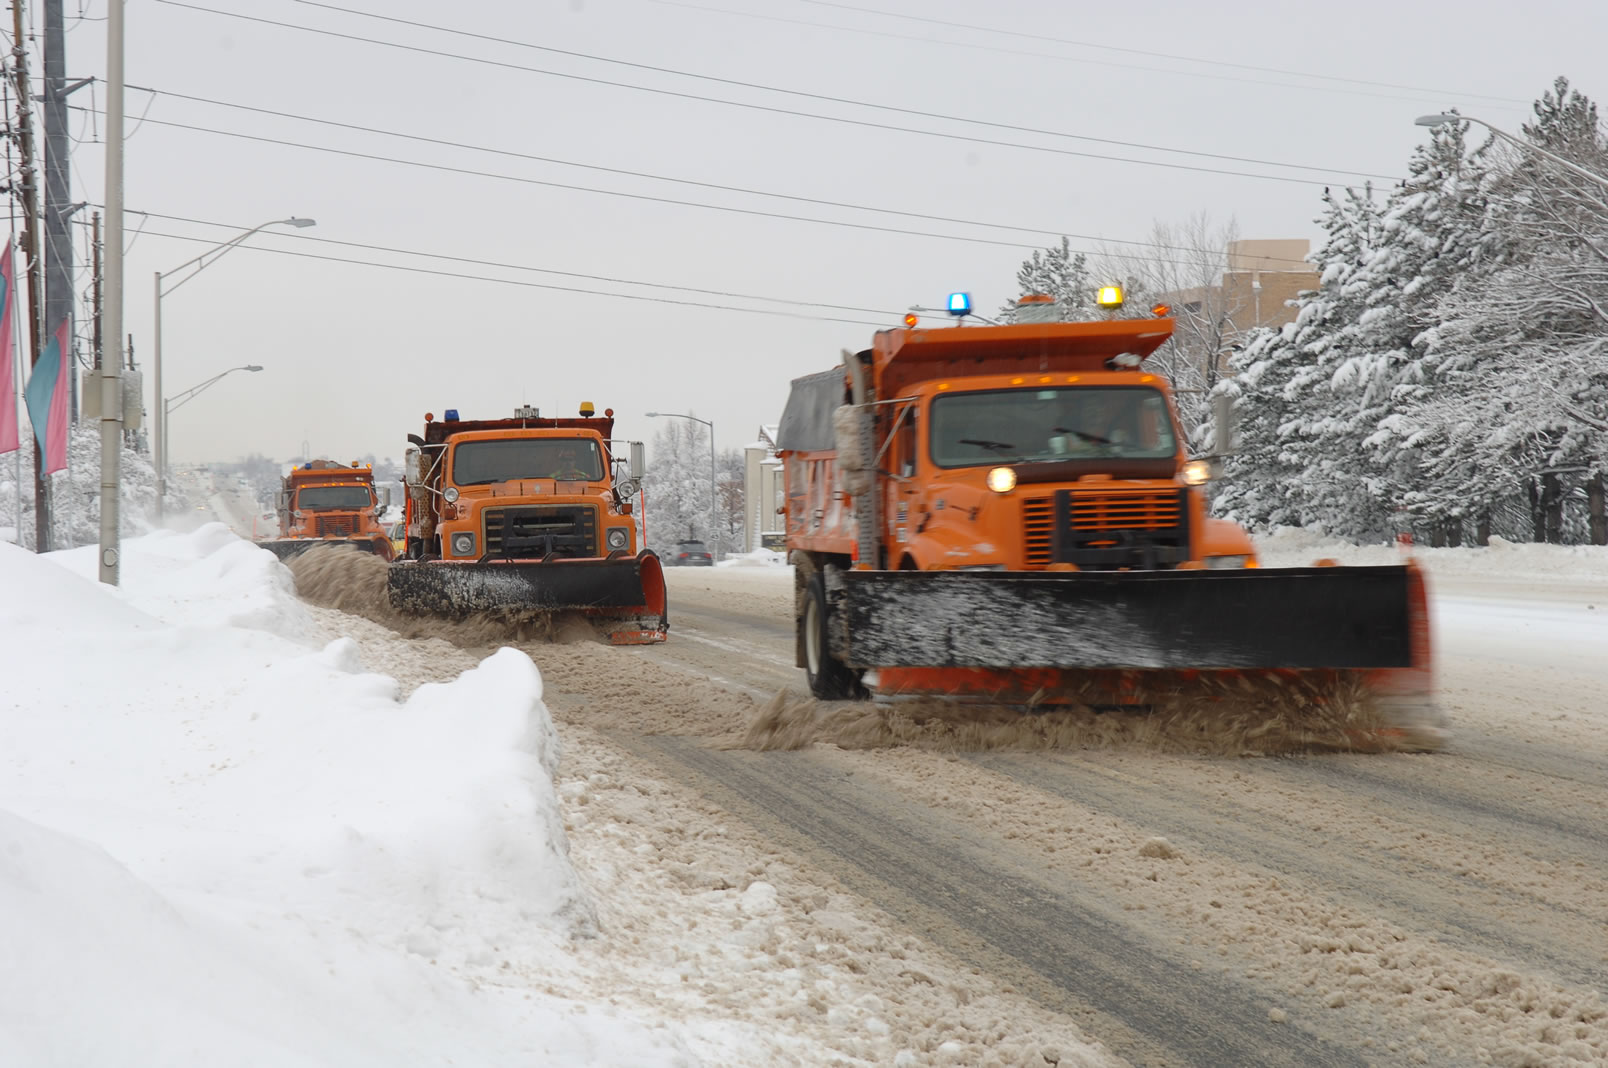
286	548
624	594
1031	637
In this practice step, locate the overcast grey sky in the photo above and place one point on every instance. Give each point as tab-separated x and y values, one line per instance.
355	354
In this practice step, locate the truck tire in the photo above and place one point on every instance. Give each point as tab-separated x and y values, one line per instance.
830	679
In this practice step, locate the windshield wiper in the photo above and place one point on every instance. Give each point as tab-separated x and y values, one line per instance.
997	446
1095	438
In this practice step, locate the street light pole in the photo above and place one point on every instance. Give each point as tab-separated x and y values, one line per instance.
1446	117
111	363
178	400
713	511
200	263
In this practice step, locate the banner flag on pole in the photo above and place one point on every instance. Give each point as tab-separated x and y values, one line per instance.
9	441
47	401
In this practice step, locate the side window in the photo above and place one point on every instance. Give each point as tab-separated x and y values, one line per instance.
905	445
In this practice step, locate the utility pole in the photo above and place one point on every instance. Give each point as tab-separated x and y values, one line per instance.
111	383
95	290
58	190
28	187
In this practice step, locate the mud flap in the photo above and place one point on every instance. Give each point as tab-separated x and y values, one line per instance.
1320	617
626	595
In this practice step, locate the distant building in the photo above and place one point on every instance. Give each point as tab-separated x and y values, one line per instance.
1263	277
763	494
1260	280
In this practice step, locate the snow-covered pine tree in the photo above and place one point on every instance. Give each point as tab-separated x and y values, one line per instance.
1286	409
1430	236
1059	273
1516	418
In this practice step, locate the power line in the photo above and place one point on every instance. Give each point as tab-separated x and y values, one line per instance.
651	176
892	315
814	96
525	267
755	212
978	46
802	114
1149	54
535	285
579	188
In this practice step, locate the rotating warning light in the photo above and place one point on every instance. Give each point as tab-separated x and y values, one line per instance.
960	304
911	319
587	409
451	415
1109	297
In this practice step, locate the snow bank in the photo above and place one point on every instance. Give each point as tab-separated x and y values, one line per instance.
219	845
1504	560
757	558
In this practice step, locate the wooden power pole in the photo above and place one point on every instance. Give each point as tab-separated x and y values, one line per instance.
28	187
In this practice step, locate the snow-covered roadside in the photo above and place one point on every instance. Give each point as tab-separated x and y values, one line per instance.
1492	567
219	846
230	845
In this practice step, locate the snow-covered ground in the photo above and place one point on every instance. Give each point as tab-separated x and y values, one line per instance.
222	842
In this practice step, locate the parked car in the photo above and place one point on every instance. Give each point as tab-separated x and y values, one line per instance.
398	533
691	554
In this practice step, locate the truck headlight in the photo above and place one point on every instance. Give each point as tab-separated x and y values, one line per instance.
450	494
617	538
1002	480
1227	561
463	545
1198	473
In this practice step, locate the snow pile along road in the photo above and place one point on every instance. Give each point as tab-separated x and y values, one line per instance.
221	846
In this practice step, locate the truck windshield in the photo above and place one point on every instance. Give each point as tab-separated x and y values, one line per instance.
476	463
1073	423
327	498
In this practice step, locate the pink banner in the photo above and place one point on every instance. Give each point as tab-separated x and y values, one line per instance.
9	441
47	400
56	427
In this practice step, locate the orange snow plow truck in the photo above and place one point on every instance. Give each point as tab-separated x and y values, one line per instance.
322	502
1007	515
528	513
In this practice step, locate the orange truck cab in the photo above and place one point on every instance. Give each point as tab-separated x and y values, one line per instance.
323	501
528	512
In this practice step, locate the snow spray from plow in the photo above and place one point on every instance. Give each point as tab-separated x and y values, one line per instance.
357	583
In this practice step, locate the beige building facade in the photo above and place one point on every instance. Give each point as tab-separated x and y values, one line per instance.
764	494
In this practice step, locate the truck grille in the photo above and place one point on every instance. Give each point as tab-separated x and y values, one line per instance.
1139	510
1038	530
1104	530
336	526
563	530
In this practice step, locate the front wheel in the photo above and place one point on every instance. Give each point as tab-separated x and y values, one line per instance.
830	679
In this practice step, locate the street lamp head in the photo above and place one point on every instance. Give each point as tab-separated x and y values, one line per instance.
652	415
1437	120
253	367
300	223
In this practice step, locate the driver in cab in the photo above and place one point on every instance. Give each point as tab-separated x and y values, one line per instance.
567	464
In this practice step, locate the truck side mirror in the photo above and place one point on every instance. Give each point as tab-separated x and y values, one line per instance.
410	467
385	497
639	461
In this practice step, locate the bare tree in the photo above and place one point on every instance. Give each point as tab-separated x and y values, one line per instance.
1185	266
